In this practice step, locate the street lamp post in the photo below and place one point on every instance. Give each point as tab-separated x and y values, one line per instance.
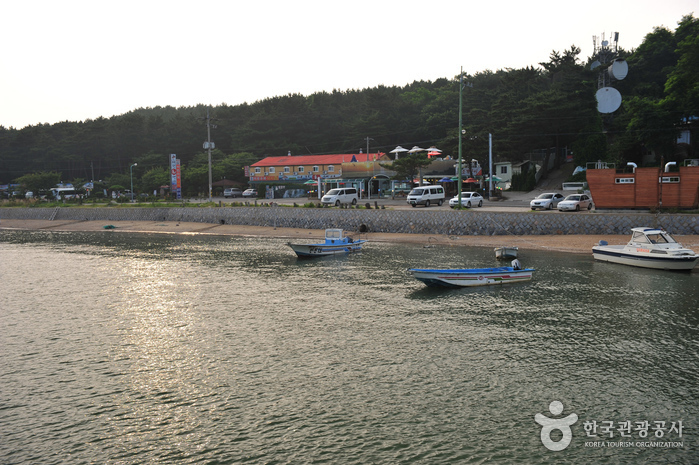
131	170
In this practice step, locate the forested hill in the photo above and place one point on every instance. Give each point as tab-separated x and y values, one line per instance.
543	106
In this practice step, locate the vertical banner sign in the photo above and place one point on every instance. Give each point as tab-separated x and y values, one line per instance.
179	180
173	173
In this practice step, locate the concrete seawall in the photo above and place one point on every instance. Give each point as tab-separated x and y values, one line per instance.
448	222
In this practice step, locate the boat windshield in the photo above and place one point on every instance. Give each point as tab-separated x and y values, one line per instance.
660	238
668	237
653	238
640	238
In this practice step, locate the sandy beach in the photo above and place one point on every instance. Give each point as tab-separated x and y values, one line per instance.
580	244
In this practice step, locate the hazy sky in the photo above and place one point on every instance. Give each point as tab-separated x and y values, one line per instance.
76	60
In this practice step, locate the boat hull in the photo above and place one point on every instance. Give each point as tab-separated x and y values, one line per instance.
471	277
320	250
505	253
619	254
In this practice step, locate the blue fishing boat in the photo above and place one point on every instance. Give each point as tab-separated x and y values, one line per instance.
472	276
335	243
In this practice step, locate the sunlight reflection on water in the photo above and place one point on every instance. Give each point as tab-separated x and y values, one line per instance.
131	349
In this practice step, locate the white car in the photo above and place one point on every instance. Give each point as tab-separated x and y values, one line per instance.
546	201
575	202
468	199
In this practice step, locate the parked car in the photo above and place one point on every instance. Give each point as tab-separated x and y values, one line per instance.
250	193
340	195
546	201
468	199
426	195
575	202
232	192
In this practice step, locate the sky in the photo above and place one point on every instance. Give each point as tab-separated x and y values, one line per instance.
73	60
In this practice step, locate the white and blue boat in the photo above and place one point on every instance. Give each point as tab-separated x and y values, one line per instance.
472	276
335	243
648	248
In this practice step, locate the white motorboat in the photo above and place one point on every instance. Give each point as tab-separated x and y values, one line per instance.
473	276
506	253
648	248
335	243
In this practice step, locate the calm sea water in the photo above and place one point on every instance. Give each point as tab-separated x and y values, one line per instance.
120	348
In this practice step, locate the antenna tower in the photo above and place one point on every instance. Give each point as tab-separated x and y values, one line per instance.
612	68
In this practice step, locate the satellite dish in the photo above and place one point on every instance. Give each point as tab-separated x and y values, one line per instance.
595	64
608	100
618	69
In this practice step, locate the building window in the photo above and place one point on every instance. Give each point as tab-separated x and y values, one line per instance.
671	179
624	180
287	169
300	169
503	170
316	169
258	170
331	169
271	169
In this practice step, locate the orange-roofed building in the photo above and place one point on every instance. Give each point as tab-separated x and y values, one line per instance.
302	168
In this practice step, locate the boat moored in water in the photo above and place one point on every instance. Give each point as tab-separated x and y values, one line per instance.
472	276
648	248
506	253
335	243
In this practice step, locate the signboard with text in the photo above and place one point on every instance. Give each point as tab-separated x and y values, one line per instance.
175	176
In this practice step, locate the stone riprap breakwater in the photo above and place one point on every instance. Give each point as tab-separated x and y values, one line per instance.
422	221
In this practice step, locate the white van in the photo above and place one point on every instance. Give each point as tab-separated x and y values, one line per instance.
340	195
426	195
63	193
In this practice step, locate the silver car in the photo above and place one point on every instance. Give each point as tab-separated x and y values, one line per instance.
232	192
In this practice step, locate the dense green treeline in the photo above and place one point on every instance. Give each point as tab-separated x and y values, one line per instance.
544	107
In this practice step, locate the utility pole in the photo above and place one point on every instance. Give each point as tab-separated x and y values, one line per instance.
209	145
461	130
208	138
490	167
372	166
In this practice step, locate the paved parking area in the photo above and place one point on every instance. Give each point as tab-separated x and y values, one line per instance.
511	202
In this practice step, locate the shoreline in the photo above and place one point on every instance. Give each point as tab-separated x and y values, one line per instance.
577	244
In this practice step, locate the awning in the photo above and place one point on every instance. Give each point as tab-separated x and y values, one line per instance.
227	183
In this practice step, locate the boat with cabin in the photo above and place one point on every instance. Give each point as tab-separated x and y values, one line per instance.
648	248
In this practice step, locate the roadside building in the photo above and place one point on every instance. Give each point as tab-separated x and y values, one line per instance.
630	187
503	171
362	171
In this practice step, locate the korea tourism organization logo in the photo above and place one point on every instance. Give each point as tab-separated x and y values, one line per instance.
608	433
548	425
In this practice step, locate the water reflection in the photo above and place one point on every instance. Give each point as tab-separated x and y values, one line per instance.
171	348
